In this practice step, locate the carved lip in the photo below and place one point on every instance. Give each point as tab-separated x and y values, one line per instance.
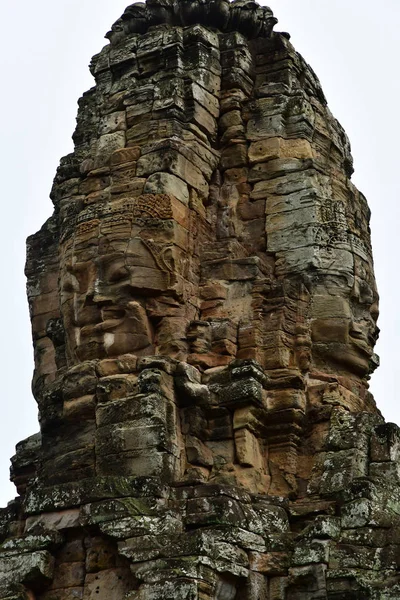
360	342
363	338
110	313
112	318
108	324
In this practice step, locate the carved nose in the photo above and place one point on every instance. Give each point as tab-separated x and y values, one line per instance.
91	291
94	297
89	298
356	331
94	292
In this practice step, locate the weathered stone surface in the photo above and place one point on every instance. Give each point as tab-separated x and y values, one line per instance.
204	310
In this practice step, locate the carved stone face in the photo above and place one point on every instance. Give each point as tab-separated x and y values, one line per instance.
110	266
344	330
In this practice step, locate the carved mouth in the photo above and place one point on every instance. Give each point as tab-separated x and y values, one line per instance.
111	317
364	340
360	342
112	313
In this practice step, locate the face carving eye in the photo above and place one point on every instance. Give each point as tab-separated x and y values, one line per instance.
111	268
69	284
118	274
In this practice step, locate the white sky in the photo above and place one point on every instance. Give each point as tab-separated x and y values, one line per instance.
45	49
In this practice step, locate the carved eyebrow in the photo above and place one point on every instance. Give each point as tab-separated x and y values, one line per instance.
78	267
109	257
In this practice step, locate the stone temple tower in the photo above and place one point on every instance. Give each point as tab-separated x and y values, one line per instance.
204	310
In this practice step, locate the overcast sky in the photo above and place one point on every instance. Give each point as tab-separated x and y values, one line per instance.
45	49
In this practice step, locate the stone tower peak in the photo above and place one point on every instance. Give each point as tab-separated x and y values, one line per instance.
243	16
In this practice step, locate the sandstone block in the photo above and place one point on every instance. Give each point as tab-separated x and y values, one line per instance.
385	443
141	525
116	387
170	160
198	453
147	462
278	147
64	594
69	575
107	144
271	563
124	155
165	183
207	100
234	156
248	449
54	520
107	584
100	555
114	366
